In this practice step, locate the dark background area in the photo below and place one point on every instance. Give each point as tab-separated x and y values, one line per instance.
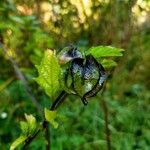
29	27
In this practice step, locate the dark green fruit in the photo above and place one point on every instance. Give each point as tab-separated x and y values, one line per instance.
83	76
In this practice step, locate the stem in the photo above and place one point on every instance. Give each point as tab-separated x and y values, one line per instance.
23	79
29	140
54	106
59	100
47	135
45	125
107	131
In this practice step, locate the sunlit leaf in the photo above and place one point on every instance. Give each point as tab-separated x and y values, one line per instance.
28	130
17	142
49	74
32	125
104	51
24	127
50	116
107	63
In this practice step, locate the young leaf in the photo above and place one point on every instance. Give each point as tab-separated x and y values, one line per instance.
32	125
17	142
107	63
49	73
24	127
28	130
104	51
50	116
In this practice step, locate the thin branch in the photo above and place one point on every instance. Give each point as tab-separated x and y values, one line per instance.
106	117
30	139
47	135
84	12
107	131
22	78
45	124
58	101
54	106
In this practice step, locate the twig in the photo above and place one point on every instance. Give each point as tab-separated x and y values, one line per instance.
22	78
56	103
84	12
59	100
54	106
47	135
30	139
106	116
45	124
107	131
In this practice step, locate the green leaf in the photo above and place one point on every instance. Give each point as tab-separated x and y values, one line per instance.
32	124
50	116
107	63
49	74
28	129
17	19
6	83
24	127
104	51
17	142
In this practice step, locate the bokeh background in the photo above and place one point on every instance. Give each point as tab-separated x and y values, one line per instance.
29	27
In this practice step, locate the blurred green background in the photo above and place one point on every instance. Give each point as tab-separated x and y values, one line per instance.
29	27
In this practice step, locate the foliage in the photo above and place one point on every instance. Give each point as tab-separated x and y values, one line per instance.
28	128
50	116
49	74
104	51
49	77
27	30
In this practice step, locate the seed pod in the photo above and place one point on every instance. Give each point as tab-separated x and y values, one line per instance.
82	77
65	57
77	70
87	77
69	53
97	73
